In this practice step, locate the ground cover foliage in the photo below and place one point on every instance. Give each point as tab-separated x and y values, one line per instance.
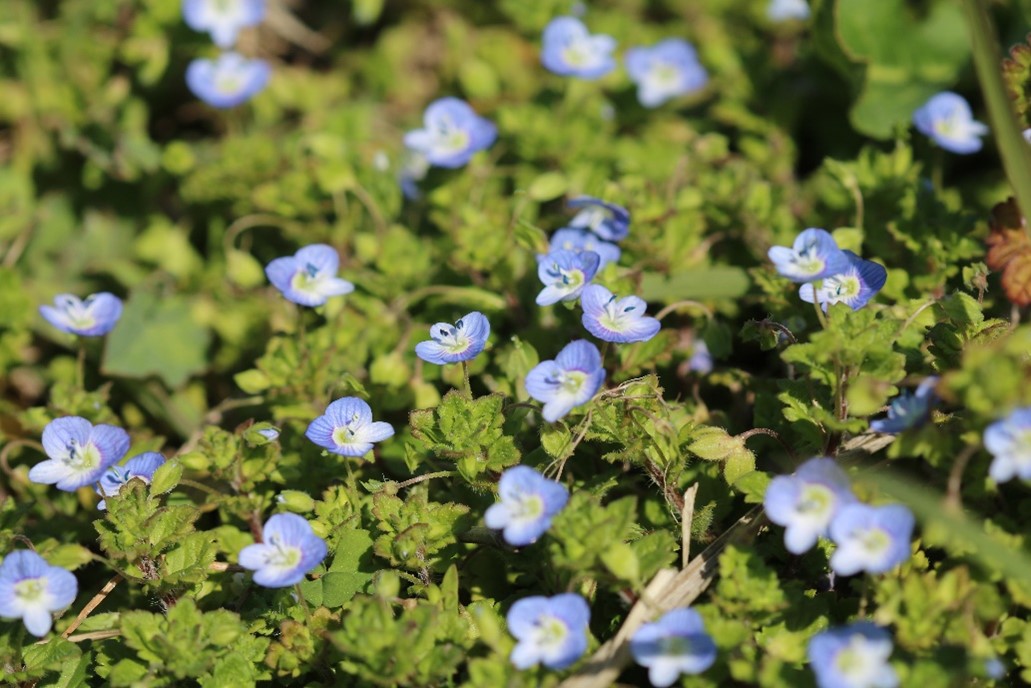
116	178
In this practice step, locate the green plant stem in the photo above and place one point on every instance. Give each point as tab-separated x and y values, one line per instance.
820	315
468	383
80	365
304	604
1014	151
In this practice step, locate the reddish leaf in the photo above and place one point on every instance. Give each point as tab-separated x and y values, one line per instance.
1009	251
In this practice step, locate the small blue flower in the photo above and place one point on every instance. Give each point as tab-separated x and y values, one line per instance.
947	119
874	539
675	644
569	50
289	549
347	428
701	358
565	274
665	70
528	503
908	410
452	133
462	341
855	656
814	256
616	320
31	590
787	10
854	286
270	434
807	502
578	240
227	81
308	278
570	380
413	170
223	19
609	221
1009	441
550	630
78	452
94	316
141	467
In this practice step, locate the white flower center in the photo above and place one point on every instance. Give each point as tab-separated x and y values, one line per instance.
527	507
568	279
840	288
82	458
281	554
447	138
875	541
815	501
568	381
30	590
549	632
345	434
454	339
307	280
616	318
77	313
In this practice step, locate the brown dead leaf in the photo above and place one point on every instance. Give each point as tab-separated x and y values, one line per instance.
1009	251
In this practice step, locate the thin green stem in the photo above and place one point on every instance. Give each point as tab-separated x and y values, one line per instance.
80	365
304	604
200	486
820	315
465	376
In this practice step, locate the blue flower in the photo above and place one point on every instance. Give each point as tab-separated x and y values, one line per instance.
609	221
550	630
78	452
309	276
31	590
570	380
946	118
874	539
93	316
578	240
1009	441
855	656
141	467
814	255
528	503
227	81
289	549
854	286
347	428
616	320
413	170
568	49
786	10
665	70
565	274
675	644
454	343
223	19
701	358
908	410
452	133
807	502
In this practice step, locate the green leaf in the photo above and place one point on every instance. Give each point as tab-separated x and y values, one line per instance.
907	59
157	337
547	186
166	477
720	282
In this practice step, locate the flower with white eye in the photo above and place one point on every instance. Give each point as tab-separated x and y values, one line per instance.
528	503
347	428
612	319
309	277
452	133
227	81
31	590
569	49
92	316
223	19
455	343
289	550
571	380
79	452
947	119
